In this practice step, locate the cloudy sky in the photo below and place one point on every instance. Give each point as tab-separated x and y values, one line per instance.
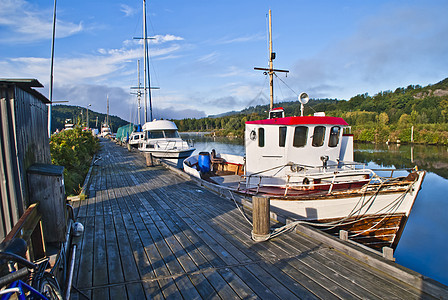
203	52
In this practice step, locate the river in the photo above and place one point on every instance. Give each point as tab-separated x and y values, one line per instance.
423	247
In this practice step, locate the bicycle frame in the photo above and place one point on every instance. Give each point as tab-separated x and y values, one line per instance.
20	287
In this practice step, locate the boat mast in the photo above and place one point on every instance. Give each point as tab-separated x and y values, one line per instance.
107	116
147	84
271	65
139	93
271	71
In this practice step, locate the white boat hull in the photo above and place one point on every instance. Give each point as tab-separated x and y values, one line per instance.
374	214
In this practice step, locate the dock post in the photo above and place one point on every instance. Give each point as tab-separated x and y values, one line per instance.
149	160
388	253
260	218
343	235
129	147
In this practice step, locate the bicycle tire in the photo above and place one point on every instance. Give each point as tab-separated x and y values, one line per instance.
49	287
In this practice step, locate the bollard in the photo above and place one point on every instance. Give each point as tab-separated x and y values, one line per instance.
260	218
149	160
129	147
388	253
343	235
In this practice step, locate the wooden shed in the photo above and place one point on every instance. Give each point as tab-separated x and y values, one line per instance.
23	142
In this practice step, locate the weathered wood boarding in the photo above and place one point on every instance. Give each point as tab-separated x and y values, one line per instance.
150	233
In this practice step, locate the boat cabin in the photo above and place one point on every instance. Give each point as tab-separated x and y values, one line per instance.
160	129
280	146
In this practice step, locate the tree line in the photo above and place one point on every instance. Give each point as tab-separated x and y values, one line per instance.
413	114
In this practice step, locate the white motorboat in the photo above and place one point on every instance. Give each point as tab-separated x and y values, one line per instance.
162	140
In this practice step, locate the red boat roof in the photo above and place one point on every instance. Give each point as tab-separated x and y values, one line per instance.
307	120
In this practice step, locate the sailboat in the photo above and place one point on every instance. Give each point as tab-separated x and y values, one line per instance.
160	137
305	165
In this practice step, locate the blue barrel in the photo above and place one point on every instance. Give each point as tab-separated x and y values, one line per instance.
204	162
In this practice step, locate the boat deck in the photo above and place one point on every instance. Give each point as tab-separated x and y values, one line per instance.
151	233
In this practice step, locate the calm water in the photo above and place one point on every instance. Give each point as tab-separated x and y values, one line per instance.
424	244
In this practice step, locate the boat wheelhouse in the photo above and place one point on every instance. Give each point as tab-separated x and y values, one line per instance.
317	141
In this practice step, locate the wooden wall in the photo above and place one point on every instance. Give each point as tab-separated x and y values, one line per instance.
24	141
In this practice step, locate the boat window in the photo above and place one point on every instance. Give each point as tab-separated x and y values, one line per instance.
318	136
300	134
260	137
170	134
334	136
282	136
154	134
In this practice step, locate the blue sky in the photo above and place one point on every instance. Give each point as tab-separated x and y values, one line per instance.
204	52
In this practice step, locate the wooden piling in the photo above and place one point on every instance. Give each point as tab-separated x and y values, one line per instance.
260	218
149	160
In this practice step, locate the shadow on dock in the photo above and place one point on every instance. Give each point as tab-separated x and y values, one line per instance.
150	233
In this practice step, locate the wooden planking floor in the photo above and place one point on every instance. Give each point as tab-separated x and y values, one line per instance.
149	233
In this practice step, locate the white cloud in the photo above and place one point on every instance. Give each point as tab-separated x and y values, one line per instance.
160	39
241	39
27	24
127	10
209	58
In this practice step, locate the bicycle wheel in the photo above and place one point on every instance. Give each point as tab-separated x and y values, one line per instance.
49	287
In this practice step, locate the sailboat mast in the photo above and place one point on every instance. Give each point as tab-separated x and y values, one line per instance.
107	116
146	67
271	64
138	93
145	57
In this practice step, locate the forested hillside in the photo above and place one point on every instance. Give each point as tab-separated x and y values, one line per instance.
388	115
78	115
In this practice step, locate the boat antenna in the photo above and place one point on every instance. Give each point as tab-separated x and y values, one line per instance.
271	71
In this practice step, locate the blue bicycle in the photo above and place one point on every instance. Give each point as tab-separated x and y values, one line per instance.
22	278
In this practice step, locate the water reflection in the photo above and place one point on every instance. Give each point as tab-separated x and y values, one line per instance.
430	158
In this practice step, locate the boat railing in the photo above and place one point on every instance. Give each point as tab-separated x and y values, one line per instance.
171	145
316	180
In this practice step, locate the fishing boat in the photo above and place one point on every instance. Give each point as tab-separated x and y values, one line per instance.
305	165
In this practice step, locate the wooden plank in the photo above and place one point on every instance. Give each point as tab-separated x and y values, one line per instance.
117	292
204	288
135	291
115	272
99	255
152	290
138	250
85	267
254	283
130	269
100	293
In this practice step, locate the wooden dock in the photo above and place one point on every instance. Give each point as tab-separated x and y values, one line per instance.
151	233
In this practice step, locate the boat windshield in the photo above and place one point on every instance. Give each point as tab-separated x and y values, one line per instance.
154	134
170	134
160	134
